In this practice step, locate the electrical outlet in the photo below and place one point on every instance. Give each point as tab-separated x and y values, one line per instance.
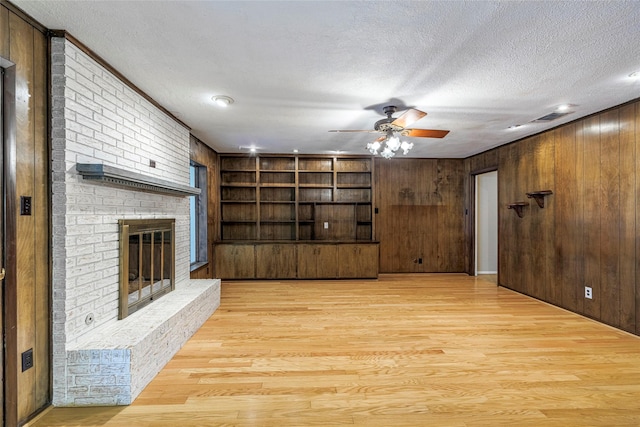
27	359
588	292
326	225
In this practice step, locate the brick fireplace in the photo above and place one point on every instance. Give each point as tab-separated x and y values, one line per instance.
98	120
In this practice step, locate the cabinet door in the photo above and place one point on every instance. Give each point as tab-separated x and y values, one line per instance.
307	266
317	261
326	257
357	260
234	261
275	261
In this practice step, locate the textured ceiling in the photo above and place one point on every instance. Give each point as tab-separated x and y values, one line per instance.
297	69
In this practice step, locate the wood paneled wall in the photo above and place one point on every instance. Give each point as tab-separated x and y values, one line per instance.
202	154
587	232
26	45
420	219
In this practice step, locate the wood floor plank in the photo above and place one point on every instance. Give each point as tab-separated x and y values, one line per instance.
403	350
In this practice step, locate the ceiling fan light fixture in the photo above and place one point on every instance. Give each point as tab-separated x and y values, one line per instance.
387	153
394	128
406	146
222	100
393	143
373	147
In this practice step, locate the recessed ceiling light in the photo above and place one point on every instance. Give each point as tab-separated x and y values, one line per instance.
635	75
295	150
222	100
564	107
514	127
252	149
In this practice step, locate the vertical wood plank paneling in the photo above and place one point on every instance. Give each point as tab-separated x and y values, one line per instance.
469	211
4	32
428	202
637	239
592	153
41	216
22	54
628	218
538	227
546	181
523	239
579	201
609	294
400	213
7	377
566	221
449	186
506	224
586	235
414	201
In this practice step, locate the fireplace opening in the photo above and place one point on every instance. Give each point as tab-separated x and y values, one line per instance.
147	262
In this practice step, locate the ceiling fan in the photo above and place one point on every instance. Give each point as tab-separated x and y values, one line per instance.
392	127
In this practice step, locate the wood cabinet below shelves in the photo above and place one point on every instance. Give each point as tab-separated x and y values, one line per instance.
357	260
317	261
296	260
235	261
275	261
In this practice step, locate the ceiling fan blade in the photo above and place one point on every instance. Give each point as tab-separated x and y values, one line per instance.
425	133
408	117
353	130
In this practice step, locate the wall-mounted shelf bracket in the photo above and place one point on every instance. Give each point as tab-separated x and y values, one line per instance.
538	196
518	206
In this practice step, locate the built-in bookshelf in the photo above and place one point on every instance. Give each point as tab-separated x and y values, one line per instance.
296	198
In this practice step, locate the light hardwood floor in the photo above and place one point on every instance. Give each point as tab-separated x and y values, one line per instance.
405	350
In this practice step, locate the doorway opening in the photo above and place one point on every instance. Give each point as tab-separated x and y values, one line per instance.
486	224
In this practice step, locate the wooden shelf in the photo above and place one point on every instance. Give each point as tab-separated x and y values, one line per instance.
239	184
271	185
321	202
352	186
290	197
238	201
277	202
538	196
518	207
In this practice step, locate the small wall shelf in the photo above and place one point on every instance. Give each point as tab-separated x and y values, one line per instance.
538	196
518	206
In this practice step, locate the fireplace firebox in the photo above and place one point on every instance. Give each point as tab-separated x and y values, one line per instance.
147	262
